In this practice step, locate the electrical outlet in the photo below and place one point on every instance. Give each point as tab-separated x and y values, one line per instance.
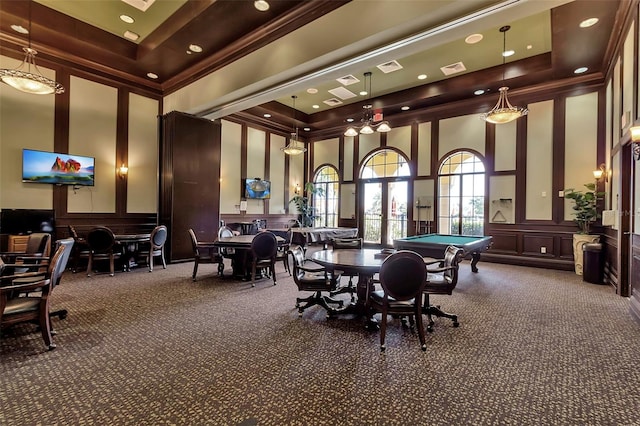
560	193
543	249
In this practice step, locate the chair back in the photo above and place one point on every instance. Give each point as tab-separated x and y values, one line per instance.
37	243
101	240
452	257
61	265
347	243
194	242
73	232
294	223
403	275
264	245
225	232
158	237
298	260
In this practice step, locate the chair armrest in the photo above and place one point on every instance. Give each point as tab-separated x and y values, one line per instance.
20	275
431	260
442	269
25	287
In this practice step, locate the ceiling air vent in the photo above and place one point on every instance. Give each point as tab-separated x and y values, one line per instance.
342	93
333	102
453	68
347	80
390	66
142	5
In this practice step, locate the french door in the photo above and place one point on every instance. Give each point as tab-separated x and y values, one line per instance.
385	211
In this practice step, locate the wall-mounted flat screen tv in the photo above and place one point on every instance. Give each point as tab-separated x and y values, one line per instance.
57	168
255	188
26	221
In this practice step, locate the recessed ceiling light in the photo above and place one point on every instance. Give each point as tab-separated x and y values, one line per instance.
364	93
581	70
349	120
312	91
188	52
126	18
529	47
20	29
131	35
195	48
589	22
473	38
152	75
267	115
306	129
508	53
422	77
479	92
405	108
261	5
315	106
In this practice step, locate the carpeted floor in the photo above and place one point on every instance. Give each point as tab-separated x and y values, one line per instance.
535	347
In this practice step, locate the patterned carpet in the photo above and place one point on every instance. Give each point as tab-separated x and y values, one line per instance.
535	347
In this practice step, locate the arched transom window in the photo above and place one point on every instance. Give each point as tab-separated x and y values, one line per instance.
461	183
325	202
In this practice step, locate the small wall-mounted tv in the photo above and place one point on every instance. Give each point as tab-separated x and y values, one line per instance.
255	188
57	168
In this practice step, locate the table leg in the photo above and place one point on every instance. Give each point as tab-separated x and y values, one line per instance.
475	258
359	307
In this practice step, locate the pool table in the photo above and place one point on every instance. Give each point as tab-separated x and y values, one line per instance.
434	245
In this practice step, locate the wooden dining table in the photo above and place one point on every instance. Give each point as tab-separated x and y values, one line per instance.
240	261
131	244
363	262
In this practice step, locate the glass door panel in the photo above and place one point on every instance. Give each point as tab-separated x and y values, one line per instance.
372	201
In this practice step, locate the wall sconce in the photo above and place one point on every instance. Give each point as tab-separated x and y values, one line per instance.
635	140
601	173
296	190
123	171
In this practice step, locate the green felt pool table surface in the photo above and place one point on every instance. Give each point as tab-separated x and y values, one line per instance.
434	245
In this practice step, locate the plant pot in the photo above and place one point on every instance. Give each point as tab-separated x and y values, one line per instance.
579	240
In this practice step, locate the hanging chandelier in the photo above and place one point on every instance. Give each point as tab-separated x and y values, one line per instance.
368	125
295	147
503	111
23	79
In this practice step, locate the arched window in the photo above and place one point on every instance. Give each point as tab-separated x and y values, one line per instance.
325	202
384	180
461	182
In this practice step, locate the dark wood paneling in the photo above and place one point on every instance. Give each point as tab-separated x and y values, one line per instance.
504	243
189	181
532	245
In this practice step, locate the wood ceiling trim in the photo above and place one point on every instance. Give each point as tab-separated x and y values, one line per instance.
295	18
187	12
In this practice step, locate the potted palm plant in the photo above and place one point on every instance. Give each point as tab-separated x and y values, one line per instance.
585	206
303	203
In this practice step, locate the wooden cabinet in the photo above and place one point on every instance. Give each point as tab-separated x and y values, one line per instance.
189	181
18	243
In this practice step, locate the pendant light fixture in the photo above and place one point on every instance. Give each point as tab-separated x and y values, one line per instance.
503	111
295	147
368	126
23	79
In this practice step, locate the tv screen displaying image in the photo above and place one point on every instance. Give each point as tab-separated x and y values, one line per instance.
257	188
57	168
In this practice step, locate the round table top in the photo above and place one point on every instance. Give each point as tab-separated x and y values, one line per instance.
361	260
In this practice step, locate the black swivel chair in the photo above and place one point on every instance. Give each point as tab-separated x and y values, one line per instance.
403	278
442	280
347	243
316	279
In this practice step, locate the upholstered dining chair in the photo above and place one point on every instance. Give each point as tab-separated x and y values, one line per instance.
155	247
204	253
347	243
315	279
441	280
283	251
102	246
37	246
80	248
29	301
403	278
226	252
264	248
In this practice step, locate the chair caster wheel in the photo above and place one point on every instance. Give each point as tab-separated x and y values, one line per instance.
382	348
424	348
430	329
456	324
299	314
